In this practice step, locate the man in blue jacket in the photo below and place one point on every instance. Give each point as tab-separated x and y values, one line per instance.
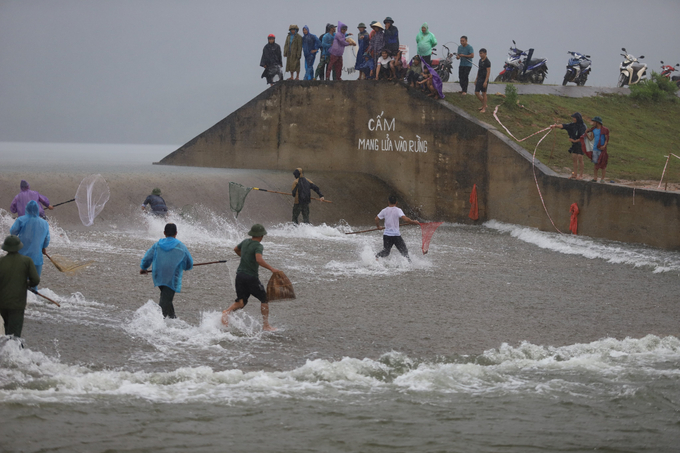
169	258
326	43
34	234
310	47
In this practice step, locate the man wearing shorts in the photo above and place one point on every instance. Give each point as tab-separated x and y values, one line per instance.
482	78
392	237
247	278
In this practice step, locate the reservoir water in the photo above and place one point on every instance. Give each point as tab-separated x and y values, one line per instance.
501	338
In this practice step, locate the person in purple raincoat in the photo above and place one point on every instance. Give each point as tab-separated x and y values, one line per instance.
337	50
19	203
436	80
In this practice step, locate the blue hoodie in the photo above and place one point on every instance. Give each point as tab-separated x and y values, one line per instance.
34	233
169	258
309	42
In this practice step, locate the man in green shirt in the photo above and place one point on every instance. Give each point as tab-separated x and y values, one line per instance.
247	278
17	274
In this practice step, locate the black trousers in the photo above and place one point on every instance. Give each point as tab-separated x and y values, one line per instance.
301	208
463	76
167	295
14	321
427	59
388	242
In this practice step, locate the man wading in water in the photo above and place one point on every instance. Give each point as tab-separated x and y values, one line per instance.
170	258
303	196
247	276
392	215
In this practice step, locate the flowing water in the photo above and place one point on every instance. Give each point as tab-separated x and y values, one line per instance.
501	338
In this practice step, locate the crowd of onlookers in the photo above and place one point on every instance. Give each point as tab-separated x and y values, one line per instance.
378	56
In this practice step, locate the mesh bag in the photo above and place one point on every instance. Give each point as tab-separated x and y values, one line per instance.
279	287
237	196
428	230
91	196
68	266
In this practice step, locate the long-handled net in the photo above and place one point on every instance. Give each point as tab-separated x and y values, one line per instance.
427	230
66	265
237	196
91	196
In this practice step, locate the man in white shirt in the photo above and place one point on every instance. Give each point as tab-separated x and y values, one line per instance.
392	215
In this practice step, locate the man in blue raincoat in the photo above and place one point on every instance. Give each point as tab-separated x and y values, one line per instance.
310	47
34	234
169	258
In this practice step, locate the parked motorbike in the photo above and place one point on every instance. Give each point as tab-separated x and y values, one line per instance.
521	67
444	67
668	70
631	71
578	68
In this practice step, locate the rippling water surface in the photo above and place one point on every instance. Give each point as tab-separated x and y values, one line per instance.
501	338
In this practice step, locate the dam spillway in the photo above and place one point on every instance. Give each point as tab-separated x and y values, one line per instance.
429	152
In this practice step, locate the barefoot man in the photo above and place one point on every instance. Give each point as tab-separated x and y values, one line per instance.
247	278
482	79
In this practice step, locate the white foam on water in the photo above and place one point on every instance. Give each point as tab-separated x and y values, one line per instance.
74	308
58	235
608	367
612	252
307	231
172	335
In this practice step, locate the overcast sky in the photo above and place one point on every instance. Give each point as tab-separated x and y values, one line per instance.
163	71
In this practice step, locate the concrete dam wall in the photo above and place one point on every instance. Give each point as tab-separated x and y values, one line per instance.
430	152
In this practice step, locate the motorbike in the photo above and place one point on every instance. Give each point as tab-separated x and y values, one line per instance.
631	71
668	70
521	67
578	68
444	67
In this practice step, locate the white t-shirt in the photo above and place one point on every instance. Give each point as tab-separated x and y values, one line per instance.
385	62
392	215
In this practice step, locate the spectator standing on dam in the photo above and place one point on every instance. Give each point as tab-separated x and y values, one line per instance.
168	258
302	188
391	236
362	43
391	36
19	203
465	54
326	43
575	130
482	80
310	47
17	274
271	60
425	41
337	51
292	50
600	137
377	43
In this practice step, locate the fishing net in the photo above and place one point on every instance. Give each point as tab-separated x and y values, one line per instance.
68	266
279	287
428	230
91	196
237	196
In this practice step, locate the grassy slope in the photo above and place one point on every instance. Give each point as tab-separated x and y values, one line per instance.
641	134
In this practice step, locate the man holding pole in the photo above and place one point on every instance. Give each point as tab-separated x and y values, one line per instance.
169	258
392	215
34	233
247	276
303	196
17	274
